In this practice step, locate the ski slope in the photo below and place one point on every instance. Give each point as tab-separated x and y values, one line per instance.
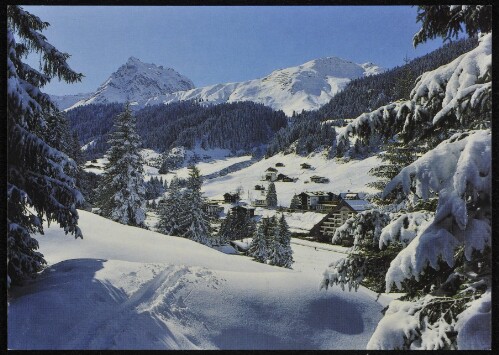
128	288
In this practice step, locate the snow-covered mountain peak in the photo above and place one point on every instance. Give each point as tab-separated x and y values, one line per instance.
136	81
304	87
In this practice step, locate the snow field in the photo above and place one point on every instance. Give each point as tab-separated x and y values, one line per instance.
128	288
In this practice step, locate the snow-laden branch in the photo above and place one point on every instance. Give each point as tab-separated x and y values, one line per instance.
450	93
468	74
459	170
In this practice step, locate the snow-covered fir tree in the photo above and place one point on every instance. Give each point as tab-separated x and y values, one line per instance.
259	244
171	210
285	243
236	225
365	263
447	21
295	202
279	243
271	242
40	179
444	265
154	188
271	196
58	135
121	191
395	157
226	232
274	249
194	218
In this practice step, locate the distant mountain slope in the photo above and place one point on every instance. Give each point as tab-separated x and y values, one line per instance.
304	87
136	82
65	101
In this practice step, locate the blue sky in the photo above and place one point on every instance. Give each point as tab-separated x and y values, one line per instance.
225	44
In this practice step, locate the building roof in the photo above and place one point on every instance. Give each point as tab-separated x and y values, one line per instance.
358	205
316	193
216	198
352	195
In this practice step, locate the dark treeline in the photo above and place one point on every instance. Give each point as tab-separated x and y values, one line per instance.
235	126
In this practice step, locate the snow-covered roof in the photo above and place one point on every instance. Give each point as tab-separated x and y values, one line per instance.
352	195
358	205
216	198
317	193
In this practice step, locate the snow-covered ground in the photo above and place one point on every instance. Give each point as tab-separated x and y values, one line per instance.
128	288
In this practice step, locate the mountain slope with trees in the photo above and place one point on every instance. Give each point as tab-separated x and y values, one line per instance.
234	126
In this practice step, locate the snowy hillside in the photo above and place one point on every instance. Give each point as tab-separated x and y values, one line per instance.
352	175
342	177
304	87
136	82
129	288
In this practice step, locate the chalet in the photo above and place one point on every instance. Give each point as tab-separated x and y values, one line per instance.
319	179
279	164
284	178
270	176
305	166
259	187
231	198
213	209
324	230
249	211
271	169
